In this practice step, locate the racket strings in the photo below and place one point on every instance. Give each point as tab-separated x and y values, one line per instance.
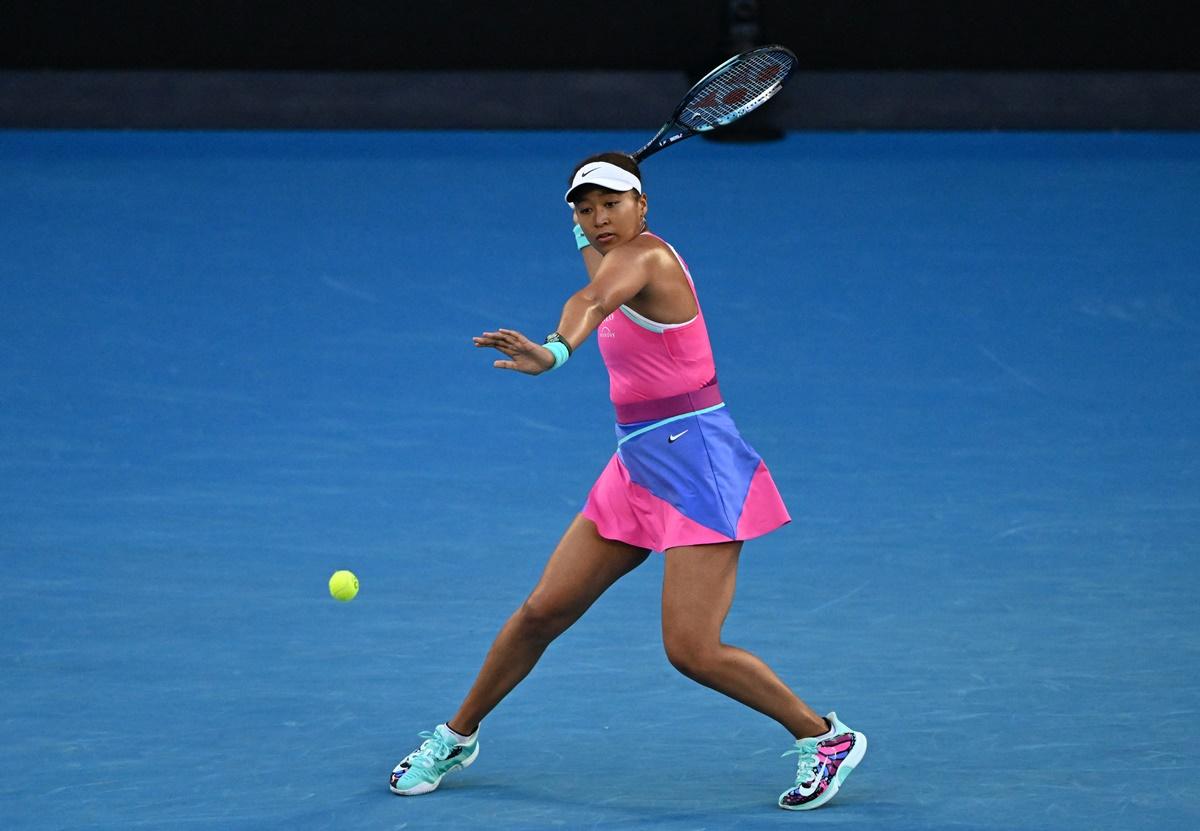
736	90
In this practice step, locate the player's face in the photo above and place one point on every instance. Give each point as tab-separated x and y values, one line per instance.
609	218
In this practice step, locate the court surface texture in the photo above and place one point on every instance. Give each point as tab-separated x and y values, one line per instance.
234	362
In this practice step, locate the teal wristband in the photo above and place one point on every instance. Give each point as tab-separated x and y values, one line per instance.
581	239
559	351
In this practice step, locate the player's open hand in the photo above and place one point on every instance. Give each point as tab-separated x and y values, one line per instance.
523	354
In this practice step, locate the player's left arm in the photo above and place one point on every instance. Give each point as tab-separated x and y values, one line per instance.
620	276
624	271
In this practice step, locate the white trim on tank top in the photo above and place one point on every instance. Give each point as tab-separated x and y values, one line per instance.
652	325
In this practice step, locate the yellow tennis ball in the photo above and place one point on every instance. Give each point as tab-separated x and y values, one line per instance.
343	585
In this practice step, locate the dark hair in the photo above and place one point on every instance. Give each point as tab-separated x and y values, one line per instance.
621	160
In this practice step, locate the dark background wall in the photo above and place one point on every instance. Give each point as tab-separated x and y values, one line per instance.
964	63
616	34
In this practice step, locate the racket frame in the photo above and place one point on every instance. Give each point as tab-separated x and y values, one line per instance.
673	131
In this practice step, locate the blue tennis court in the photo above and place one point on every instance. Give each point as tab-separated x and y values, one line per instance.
234	362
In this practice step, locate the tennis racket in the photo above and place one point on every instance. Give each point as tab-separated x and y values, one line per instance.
740	85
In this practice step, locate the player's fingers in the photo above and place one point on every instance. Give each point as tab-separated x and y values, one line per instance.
515	347
505	364
503	344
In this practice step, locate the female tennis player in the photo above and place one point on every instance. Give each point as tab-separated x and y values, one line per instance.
682	481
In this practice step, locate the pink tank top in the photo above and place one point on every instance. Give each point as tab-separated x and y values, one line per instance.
648	360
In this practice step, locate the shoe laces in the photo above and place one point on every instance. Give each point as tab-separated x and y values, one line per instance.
434	748
806	765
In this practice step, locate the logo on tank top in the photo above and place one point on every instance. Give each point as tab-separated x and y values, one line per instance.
605	332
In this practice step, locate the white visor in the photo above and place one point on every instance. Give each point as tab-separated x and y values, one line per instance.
604	175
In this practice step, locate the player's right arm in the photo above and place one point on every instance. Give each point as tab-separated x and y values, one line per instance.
591	261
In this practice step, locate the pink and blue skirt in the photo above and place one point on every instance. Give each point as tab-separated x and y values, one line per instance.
683	475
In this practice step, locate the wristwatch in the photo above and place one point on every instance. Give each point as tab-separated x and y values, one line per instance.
555	337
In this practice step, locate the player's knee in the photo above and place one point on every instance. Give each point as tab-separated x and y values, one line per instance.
691	655
542	621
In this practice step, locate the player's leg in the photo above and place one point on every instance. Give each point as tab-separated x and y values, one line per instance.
698	587
581	568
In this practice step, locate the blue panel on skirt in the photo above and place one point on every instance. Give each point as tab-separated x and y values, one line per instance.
699	464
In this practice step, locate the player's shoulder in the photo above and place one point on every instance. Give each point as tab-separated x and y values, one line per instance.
646	249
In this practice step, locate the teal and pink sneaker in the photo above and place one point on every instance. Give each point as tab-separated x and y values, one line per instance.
825	762
422	770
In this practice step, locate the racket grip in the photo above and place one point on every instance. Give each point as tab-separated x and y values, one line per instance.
581	240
